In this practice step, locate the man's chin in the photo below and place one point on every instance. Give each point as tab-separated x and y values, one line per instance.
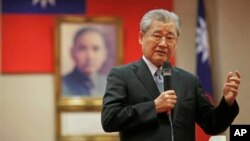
90	71
159	62
162	59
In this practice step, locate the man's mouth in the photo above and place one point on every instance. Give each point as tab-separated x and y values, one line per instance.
160	52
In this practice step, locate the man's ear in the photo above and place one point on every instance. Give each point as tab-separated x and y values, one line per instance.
141	34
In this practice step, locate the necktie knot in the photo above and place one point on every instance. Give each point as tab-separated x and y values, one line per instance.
158	72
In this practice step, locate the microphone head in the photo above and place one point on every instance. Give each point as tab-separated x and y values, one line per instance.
167	65
166	69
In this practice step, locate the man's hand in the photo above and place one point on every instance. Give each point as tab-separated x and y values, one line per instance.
231	86
165	101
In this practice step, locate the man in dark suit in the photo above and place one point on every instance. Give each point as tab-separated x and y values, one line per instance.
134	105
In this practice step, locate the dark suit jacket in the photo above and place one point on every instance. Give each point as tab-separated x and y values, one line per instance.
128	106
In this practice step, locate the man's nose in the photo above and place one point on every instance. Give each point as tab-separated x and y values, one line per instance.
90	54
163	42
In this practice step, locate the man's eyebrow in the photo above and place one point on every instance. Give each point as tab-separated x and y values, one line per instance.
171	33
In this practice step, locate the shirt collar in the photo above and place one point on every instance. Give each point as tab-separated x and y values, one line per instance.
150	65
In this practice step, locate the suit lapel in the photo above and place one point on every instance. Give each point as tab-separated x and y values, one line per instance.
144	75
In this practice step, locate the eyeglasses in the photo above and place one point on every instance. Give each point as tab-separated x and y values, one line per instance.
169	39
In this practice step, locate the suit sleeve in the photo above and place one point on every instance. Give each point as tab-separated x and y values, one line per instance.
117	113
214	120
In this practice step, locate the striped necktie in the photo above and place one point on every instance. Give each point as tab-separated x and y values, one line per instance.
159	80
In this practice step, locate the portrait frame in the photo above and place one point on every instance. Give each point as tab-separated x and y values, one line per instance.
66	28
85	103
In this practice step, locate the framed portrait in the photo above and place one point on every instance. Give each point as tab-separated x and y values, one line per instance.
86	48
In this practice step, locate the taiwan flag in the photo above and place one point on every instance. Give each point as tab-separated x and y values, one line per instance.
28	33
203	63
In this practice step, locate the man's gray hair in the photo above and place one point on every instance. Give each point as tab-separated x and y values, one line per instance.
162	16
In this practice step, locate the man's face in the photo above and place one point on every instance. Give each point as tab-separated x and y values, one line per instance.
89	52
158	42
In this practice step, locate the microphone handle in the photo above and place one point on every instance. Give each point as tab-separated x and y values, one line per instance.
168	86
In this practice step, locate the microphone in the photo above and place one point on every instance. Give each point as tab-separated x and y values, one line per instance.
167	72
167	76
